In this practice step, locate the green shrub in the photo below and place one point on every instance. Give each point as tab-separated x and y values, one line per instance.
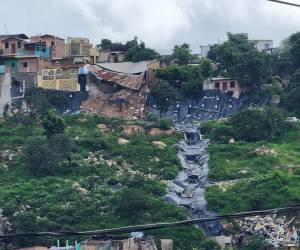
165	123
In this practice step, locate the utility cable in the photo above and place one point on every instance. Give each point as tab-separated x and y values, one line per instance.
135	228
283	2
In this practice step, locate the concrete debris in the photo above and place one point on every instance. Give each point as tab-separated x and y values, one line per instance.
124	103
129	171
122	141
80	189
5	226
159	144
278	231
97	158
263	150
7	155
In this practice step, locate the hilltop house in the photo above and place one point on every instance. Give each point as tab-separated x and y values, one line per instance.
56	44
226	84
62	78
25	59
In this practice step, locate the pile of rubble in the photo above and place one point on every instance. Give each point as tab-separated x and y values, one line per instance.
97	158
125	103
277	231
263	150
6	156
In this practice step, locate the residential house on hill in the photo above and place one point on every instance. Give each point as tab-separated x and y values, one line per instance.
56	44
25	59
62	78
226	84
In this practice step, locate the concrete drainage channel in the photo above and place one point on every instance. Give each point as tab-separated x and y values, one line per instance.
188	188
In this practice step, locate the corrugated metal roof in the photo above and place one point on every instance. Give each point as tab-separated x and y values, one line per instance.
129	81
20	36
126	67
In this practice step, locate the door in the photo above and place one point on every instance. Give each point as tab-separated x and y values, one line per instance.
13	48
225	86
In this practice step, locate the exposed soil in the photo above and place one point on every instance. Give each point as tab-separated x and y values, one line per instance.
103	104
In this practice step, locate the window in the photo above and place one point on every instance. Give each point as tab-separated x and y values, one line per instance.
217	85
19	45
13	65
52	43
73	71
232	84
267	46
25	64
48	74
6	45
44	43
59	72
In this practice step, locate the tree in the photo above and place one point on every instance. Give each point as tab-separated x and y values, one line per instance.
62	145
164	95
256	243
133	203
206	67
182	54
192	88
132	43
209	245
39	158
52	123
138	52
37	102
256	125
289	59
241	59
105	44
291	100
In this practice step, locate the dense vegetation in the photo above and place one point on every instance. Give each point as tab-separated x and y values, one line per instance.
123	184
134	51
241	59
258	174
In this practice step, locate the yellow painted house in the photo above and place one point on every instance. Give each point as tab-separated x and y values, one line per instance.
64	78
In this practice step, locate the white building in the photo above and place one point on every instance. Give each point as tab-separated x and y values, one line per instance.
225	84
204	49
5	98
263	45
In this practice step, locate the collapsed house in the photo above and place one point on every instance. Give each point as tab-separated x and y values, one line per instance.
120	89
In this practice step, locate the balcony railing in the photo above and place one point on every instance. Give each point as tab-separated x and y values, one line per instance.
41	53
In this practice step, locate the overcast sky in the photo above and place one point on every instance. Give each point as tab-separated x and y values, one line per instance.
159	23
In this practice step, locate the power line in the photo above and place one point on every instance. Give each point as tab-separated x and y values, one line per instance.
283	2
129	229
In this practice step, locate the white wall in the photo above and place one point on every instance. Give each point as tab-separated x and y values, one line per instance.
5	98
